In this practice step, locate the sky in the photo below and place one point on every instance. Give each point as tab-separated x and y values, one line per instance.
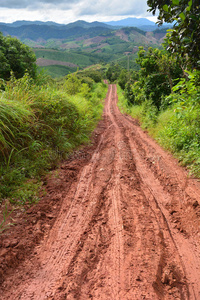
67	11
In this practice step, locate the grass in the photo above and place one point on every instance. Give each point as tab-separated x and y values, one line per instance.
176	128
40	125
134	111
6	215
180	134
57	71
78	58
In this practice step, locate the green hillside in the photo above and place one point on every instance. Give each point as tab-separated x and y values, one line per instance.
113	46
82	44
78	58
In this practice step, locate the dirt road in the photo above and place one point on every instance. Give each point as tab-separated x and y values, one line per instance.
124	224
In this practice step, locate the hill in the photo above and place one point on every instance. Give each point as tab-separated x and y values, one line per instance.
131	22
69	36
141	23
112	46
21	23
81	44
45	32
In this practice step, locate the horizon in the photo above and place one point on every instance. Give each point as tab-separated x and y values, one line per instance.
152	19
68	11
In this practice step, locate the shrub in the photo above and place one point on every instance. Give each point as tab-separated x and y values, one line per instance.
39	126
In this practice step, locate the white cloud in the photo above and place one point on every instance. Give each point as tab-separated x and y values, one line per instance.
66	11
112	7
36	4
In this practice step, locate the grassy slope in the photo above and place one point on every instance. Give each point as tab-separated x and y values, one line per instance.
57	71
176	129
80	59
40	126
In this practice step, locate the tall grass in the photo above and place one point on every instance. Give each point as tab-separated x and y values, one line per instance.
39	126
179	132
176	128
15	118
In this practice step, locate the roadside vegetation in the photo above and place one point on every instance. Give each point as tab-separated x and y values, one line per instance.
175	125
15	57
41	121
165	93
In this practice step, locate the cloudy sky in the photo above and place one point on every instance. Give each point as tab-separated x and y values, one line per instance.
66	11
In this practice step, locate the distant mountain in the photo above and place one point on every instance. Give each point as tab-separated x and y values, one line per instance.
50	30
61	48
43	31
21	23
35	32
85	24
79	23
141	23
131	22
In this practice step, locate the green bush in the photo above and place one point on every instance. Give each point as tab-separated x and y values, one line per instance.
177	125
181	134
40	125
16	57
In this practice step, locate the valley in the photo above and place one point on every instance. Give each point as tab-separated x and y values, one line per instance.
82	44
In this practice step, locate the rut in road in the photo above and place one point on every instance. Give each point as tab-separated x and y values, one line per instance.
126	233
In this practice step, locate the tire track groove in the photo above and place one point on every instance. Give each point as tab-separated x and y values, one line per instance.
114	237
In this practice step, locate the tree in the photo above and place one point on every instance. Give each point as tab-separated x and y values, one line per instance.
184	38
72	84
157	74
113	72
16	57
123	79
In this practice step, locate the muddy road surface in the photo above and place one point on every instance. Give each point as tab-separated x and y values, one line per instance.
123	223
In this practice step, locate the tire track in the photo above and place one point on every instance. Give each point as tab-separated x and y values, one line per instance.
159	199
116	240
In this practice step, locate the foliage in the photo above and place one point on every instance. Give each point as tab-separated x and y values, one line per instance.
184	38
57	71
146	112
113	72
40	125
181	133
123	78
6	214
129	92
15	57
177	125
76	57
93	74
72	84
156	78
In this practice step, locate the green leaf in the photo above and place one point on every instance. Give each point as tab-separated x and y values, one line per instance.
182	16
190	4
166	8
175	2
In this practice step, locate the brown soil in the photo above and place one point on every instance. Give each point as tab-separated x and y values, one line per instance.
123	36
120	220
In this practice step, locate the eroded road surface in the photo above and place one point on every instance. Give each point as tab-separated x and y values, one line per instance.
126	226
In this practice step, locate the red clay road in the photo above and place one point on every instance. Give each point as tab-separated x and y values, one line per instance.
126	224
